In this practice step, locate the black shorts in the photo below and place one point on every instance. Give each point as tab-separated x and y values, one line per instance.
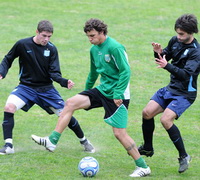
114	115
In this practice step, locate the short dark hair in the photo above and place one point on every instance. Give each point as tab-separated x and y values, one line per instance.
187	23
96	24
45	25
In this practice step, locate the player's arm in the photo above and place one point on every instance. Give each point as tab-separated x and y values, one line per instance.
92	76
161	61
70	84
8	59
55	72
156	47
121	59
190	68
167	51
118	102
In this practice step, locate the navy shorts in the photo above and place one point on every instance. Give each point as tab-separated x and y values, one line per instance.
166	99
114	116
44	97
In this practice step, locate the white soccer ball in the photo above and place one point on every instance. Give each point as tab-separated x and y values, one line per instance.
88	166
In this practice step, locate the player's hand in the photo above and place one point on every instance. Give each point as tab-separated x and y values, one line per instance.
161	61
1	77
118	102
70	84
156	47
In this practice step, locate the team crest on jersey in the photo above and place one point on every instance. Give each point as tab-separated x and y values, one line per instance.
186	51
46	53
107	58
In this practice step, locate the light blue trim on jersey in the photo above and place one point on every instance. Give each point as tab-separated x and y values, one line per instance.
50	44
195	45
21	72
190	88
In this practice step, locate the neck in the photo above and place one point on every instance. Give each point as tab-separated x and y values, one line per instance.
191	39
35	40
103	39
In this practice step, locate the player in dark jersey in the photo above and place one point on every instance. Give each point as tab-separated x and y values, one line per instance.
38	68
180	93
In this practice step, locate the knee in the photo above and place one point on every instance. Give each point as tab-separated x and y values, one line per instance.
10	108
70	104
119	134
166	123
146	114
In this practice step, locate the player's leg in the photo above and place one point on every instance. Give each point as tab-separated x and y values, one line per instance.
74	103
13	103
148	126
174	110
76	128
117	117
142	169
53	102
156	105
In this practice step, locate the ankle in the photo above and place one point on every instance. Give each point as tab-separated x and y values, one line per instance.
9	144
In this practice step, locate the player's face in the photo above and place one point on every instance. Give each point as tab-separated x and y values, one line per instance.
184	37
43	37
95	37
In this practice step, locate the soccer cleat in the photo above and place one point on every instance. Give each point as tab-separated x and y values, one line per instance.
142	151
141	172
7	149
184	163
88	147
44	141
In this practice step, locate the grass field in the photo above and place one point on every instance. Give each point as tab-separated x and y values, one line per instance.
133	23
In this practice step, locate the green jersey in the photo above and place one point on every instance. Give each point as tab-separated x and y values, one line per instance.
110	60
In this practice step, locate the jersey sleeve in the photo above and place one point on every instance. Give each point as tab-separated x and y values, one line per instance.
188	70
9	58
121	60
54	70
92	76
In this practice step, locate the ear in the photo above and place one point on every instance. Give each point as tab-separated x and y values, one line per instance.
102	33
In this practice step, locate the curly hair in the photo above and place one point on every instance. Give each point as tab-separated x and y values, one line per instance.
96	24
187	23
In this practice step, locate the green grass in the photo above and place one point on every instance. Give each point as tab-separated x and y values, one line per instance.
133	23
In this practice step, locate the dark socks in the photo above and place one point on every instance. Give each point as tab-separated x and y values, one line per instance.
75	127
148	127
176	138
8	125
9	144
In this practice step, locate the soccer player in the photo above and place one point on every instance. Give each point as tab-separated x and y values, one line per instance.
39	67
109	59
180	93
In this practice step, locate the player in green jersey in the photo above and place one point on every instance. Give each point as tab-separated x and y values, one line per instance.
109	60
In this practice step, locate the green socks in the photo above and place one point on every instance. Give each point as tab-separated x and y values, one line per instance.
141	163
54	137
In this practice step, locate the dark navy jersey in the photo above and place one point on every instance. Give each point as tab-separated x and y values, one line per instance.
38	65
184	67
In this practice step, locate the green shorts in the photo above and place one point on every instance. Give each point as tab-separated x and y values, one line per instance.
114	116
